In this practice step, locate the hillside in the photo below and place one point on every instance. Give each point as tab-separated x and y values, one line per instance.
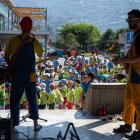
102	13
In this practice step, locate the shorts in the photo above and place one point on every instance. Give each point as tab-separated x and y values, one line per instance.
51	106
69	105
65	101
41	106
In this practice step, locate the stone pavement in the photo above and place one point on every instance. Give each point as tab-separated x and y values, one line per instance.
87	126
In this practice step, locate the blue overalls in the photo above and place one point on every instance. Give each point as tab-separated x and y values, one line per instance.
23	67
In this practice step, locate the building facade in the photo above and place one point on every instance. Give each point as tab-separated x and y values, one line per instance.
10	16
8	19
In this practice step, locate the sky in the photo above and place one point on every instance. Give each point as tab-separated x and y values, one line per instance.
102	13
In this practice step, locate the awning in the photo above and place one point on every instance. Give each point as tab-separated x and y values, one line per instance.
34	13
8	3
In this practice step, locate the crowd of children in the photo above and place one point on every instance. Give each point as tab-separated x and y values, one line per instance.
65	86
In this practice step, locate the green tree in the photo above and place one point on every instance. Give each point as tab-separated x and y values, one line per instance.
71	41
121	30
59	43
85	34
108	35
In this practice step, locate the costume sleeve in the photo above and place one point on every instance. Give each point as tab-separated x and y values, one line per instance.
137	45
38	48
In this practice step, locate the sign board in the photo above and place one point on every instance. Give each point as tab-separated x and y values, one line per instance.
129	37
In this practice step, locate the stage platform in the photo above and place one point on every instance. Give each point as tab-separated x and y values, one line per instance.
87	126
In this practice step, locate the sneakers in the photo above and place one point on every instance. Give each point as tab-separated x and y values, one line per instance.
135	135
123	129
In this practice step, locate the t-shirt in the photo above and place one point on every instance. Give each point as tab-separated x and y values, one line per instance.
110	65
59	97
86	85
70	95
51	97
112	72
47	82
43	97
15	42
1	97
55	64
66	74
62	77
7	96
64	91
78	91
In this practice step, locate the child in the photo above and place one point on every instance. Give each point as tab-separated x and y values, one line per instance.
43	96
78	93
60	68
2	96
7	96
42	72
47	81
70	94
38	94
24	101
59	97
51	96
88	80
52	74
63	90
66	72
56	64
61	75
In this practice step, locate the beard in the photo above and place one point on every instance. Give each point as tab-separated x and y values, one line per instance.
132	25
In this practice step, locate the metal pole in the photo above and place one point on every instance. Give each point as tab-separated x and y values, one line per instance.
46	35
8	18
45	46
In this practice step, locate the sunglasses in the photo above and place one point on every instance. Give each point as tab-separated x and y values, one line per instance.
132	19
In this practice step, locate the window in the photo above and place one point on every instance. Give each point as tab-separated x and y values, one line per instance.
2	22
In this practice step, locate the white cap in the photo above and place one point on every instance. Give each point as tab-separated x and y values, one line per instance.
43	85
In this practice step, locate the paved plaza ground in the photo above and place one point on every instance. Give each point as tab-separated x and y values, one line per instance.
87	126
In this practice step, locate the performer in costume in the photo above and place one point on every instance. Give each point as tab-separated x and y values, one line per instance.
23	71
132	92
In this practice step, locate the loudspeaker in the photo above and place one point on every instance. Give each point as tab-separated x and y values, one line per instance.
6	129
